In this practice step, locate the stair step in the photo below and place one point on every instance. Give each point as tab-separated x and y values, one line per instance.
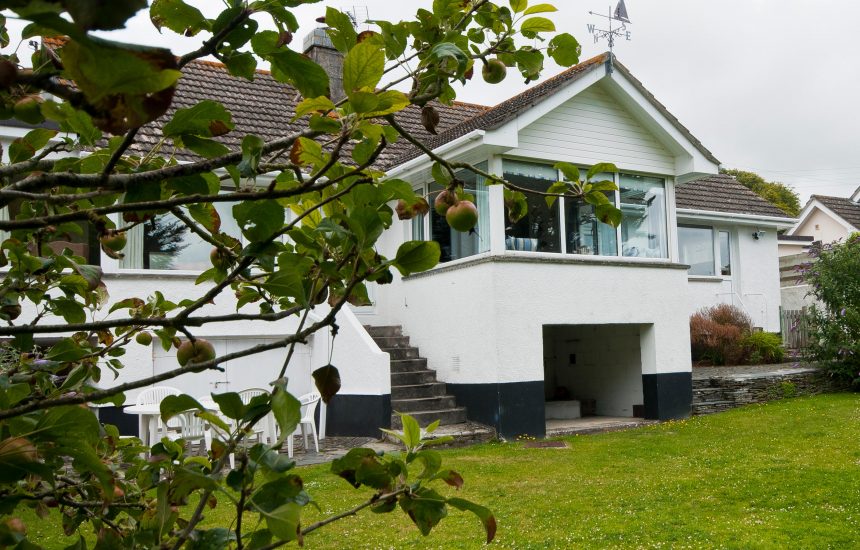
407	365
420	404
388	342
384	331
401	353
417	391
444	416
410	378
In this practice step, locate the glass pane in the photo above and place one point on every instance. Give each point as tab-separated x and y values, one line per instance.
539	229
643	225
725	254
169	244
585	234
696	247
455	244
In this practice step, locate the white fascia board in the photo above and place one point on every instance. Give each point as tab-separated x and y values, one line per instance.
458	146
812	205
742	219
688	158
856	196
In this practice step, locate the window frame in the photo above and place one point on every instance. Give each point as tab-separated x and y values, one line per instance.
716	231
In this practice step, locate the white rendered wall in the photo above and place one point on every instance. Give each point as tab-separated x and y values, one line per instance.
822	227
483	323
590	128
754	283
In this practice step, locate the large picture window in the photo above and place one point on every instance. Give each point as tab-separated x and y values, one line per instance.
455	244
643	225
705	250
164	242
539	230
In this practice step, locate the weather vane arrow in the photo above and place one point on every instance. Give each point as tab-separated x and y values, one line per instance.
610	34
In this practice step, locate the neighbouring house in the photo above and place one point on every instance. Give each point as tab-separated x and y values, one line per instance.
554	308
823	220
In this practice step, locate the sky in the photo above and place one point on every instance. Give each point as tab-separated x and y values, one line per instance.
769	86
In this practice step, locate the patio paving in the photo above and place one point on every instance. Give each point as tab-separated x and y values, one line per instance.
593	424
335	447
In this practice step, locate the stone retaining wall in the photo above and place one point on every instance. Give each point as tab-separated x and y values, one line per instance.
720	393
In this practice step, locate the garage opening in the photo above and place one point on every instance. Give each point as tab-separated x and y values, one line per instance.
592	374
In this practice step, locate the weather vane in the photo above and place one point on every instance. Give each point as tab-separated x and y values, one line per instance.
610	34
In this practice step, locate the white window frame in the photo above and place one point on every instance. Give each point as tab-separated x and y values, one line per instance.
716	230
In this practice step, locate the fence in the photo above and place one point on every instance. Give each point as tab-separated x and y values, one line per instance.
794	327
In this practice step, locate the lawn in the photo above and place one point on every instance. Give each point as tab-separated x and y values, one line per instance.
785	474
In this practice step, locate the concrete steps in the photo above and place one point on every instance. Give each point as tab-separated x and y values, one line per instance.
415	389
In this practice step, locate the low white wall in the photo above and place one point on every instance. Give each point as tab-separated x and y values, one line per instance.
483	322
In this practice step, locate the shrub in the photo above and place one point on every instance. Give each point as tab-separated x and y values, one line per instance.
717	334
763	347
834	323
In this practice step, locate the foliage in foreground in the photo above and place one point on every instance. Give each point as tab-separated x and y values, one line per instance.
93	182
834	320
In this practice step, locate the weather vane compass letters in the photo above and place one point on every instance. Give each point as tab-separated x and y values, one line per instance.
610	34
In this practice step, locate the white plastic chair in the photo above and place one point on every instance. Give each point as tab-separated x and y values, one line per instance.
192	428
310	402
154	396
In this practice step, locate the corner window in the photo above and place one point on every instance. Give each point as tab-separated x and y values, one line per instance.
455	244
585	233
643	225
696	247
725	253
539	229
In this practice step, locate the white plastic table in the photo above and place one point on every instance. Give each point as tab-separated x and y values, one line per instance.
147	421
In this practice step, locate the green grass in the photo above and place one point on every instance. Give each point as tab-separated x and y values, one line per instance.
785	474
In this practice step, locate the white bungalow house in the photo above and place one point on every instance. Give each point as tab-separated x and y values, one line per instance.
553	307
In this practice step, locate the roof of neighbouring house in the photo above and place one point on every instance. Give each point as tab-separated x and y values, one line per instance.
843	207
723	193
795	238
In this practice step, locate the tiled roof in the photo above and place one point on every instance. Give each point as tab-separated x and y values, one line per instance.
265	107
723	193
844	207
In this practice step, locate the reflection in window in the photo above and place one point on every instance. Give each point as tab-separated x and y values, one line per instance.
164	242
456	244
585	233
725	254
539	229
696	247
643	225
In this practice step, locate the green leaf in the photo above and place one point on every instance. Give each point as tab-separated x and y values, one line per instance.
287	410
259	219
348	465
313	105
327	381
340	30
558	188
484	514
450	477
172	405
440	174
72	121
24	148
218	538
206	215
536	25
564	49
363	102
67	425
177	16
603	186
432	462
66	350
608	214
600	168
444	50
426	508
243	65
363	67
411	431
200	120
519	5
71	311
570	171
230	404
416	256
390	101
284	521
540	8
94	15
309	78
252	150
205	147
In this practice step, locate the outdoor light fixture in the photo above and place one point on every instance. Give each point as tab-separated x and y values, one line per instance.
758	234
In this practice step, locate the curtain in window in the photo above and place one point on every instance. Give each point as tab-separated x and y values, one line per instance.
482	201
133	251
4	217
643	225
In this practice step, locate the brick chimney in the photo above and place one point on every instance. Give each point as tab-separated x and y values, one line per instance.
318	47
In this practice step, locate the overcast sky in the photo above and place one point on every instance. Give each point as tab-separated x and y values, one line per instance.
767	85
